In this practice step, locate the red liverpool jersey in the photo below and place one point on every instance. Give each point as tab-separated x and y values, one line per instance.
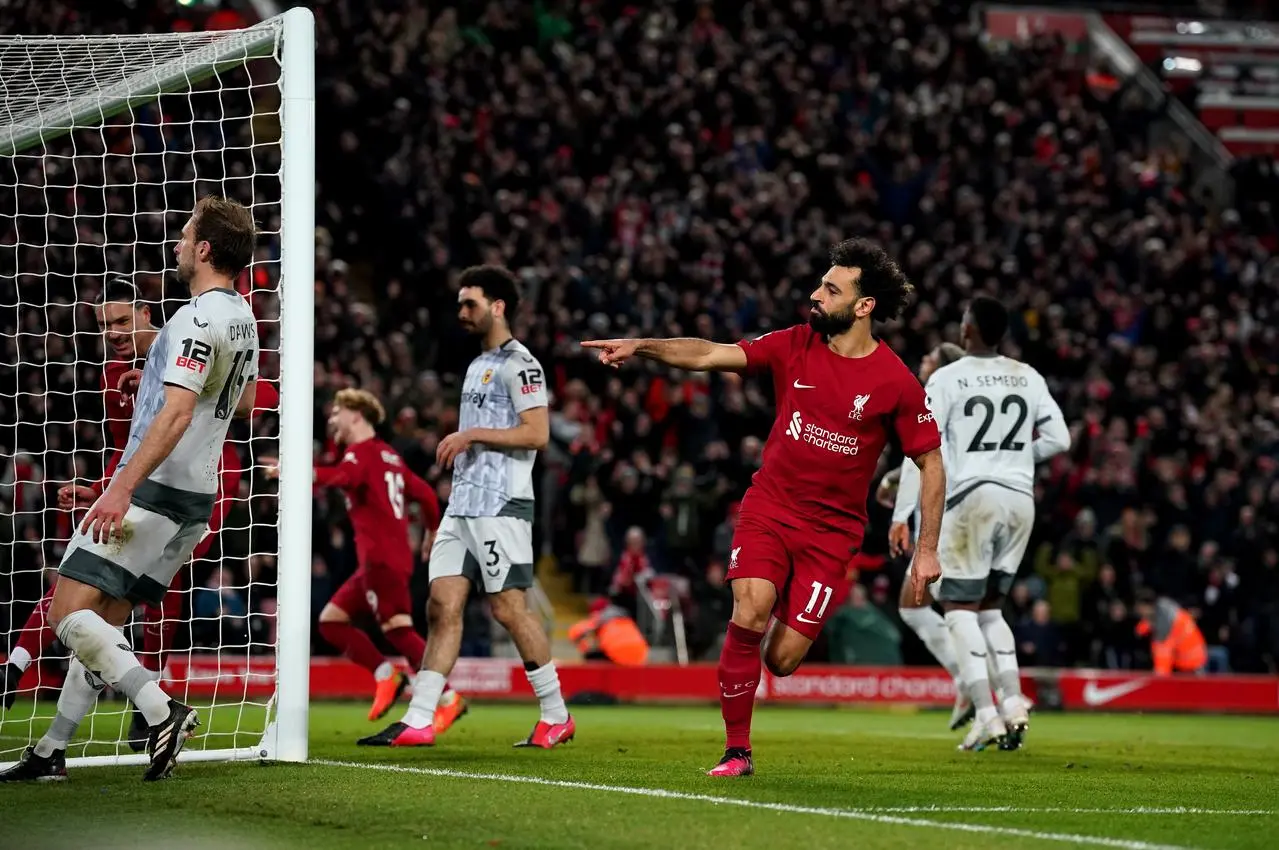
377	484
834	415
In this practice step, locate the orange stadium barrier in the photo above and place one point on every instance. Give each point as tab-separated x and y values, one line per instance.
205	676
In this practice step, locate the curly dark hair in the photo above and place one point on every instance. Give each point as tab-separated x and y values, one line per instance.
497	284
881	277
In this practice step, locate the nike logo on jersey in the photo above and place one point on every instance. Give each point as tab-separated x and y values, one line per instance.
200	324
804	619
493	573
797	385
1096	695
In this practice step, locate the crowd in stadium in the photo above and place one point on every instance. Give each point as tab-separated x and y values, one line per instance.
670	169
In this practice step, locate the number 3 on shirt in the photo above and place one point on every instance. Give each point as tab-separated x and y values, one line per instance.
395	492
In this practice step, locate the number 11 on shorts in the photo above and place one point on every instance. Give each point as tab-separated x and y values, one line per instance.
819	590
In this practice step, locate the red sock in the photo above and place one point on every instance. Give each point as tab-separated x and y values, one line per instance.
159	628
152	637
409	643
202	548
36	632
353	643
739	671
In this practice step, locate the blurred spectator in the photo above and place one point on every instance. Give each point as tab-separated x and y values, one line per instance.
609	634
219	612
1176	644
593	551
1115	645
1039	640
1065	579
321	588
1175	572
714	609
682	509
477	628
1095	609
861	633
633	569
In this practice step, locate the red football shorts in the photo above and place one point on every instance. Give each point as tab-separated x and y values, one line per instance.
809	568
228	492
380	590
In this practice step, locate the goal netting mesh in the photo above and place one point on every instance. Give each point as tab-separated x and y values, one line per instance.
106	144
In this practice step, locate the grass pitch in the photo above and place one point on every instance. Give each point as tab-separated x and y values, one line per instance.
827	778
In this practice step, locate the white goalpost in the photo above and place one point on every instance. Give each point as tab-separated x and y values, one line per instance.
106	142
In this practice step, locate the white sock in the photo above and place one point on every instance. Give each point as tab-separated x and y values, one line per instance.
75	701
970	652
20	658
427	687
384	671
102	650
932	630
1003	651
993	673
546	684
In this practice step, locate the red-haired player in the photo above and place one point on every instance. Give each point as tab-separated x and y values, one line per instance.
125	322
378	485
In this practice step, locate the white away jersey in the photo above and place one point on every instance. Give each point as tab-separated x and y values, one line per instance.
500	385
989	410
210	347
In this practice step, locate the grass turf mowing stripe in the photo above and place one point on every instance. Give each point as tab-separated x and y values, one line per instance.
850	814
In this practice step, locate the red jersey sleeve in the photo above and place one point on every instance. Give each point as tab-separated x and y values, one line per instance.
349	472
117	407
424	494
765	352
916	429
267	399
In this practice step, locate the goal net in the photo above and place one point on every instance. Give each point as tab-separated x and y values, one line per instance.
106	142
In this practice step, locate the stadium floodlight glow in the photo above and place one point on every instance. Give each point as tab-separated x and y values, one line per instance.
106	142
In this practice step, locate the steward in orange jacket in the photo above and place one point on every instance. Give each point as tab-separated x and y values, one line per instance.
611	633
1175	640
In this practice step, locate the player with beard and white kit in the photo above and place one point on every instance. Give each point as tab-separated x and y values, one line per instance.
200	371
485	540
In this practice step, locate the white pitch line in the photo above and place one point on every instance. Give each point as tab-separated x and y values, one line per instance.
850	814
1039	810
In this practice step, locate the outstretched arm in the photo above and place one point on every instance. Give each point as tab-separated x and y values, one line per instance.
697	355
424	495
346	474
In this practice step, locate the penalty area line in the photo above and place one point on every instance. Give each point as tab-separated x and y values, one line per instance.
788	808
